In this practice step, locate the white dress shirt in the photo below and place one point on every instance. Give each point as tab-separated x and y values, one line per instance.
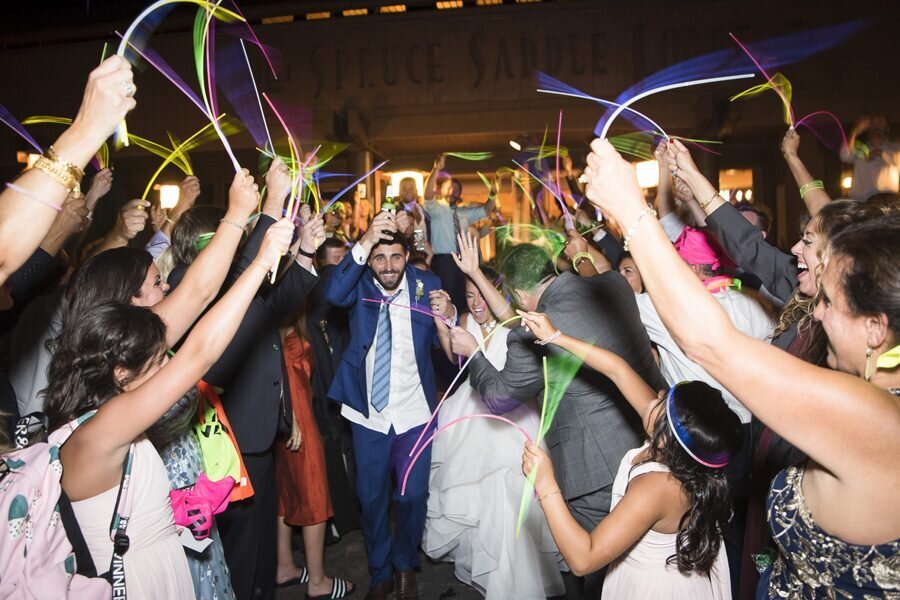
746	315
407	407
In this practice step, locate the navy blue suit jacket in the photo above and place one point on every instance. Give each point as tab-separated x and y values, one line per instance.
348	285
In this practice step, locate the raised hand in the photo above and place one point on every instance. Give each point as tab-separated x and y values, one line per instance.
108	97
533	456
311	234
538	323
612	183
683	192
100	186
383	225
680	160
157	217
188	192
467	261
441	305
462	342
243	195
73	218
790	144
575	244
278	186
275	243
132	219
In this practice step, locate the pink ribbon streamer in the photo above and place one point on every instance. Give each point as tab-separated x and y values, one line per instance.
444	428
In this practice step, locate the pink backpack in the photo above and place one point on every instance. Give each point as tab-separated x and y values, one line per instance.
37	559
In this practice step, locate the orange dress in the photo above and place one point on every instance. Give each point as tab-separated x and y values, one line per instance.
303	497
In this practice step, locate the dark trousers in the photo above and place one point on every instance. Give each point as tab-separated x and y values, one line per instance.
738	470
381	462
248	530
588	511
452	280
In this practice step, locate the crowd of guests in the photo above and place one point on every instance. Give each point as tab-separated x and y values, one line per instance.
701	414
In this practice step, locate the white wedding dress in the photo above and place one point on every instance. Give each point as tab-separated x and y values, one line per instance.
474	493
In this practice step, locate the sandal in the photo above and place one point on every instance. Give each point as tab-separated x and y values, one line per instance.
340	588
303	578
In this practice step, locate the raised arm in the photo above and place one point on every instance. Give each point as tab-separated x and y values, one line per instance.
341	288
468	262
431	183
639	395
820	399
815	197
847	152
204	277
131	221
29	207
98	453
741	240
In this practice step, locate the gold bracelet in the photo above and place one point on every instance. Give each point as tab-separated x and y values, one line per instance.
76	172
703	205
548	494
58	173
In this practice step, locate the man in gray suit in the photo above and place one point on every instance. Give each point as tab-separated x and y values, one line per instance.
594	426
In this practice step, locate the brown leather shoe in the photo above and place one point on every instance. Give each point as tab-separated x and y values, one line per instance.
406	585
380	591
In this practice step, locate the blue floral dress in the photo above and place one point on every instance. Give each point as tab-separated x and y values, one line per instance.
209	570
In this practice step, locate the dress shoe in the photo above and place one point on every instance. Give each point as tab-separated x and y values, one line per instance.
406	585
380	591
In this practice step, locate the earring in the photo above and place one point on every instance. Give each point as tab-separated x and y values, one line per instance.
868	375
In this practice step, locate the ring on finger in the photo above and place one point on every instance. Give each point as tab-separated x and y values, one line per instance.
128	88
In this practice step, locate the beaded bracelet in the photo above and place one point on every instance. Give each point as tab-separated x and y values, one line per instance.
228	221
627	242
815	184
548	494
76	172
550	339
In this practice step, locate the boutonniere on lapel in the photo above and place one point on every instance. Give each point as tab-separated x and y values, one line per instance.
420	289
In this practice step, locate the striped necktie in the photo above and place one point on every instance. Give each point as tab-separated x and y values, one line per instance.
457	228
381	376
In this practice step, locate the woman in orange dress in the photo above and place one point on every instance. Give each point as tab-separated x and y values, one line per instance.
303	498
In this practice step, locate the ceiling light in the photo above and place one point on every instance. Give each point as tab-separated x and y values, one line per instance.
281	19
355	12
392	8
445	4
318	15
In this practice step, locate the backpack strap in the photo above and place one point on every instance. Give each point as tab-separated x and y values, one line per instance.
118	527
83	560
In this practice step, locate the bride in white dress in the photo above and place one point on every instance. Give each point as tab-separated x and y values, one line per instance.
476	480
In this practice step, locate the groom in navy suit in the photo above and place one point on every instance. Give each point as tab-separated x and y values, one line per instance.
386	385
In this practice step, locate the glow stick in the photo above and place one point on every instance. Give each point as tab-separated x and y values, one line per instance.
446	321
787	102
123	128
831	116
349	187
471	156
255	40
565	210
256	90
665	88
481	348
99	160
568	218
10	121
447	426
177	151
178	159
528	488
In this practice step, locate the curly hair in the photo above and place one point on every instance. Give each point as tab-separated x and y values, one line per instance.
714	428
89	349
831	220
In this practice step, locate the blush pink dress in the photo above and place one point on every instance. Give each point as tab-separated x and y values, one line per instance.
155	564
643	572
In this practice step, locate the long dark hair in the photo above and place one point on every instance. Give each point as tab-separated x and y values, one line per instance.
89	348
114	275
714	430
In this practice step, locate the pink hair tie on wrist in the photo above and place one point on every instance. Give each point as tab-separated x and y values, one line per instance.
34	197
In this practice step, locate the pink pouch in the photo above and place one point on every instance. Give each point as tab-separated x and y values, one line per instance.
194	507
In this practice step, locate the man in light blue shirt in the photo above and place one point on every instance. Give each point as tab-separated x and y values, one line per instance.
449	219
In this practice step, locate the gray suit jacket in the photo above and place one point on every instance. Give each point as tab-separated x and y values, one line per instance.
594	426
